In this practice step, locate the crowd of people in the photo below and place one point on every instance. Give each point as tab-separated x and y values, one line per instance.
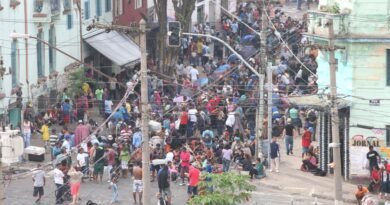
199	128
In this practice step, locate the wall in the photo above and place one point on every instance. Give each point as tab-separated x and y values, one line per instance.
130	14
13	20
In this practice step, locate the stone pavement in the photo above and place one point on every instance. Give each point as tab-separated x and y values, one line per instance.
295	182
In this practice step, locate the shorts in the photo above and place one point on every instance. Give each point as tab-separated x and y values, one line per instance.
38	191
124	165
155	168
137	186
166	192
98	169
183	170
74	188
192	190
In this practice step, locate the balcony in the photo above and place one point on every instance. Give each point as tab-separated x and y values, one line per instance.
317	24
41	10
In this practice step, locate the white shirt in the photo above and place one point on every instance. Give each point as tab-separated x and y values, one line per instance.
81	159
192	114
58	176
194	74
38	176
230	119
169	157
66	144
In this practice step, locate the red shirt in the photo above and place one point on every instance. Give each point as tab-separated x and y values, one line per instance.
184	118
185	159
111	157
375	175
193	174
306	139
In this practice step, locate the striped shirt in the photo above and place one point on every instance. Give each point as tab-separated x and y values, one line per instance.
53	140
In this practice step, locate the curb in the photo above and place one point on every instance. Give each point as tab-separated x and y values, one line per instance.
320	196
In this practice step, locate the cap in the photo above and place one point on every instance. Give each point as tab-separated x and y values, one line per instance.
80	121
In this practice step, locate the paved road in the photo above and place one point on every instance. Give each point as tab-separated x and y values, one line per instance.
20	192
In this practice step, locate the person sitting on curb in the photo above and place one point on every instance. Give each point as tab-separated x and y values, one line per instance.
258	170
360	193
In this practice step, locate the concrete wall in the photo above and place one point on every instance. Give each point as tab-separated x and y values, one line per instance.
130	14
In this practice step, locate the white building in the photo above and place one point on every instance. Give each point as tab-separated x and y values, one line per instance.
30	64
212	10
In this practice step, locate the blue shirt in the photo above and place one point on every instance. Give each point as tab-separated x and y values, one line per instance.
209	133
137	139
274	150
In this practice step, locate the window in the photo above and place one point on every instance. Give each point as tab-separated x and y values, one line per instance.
138	4
388	67
40	55
52	51
69	20
98	7
67	5
55	6
108	5
14	63
86	9
38	6
118	7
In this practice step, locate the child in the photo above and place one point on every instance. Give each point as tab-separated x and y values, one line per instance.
53	140
172	171
45	134
114	187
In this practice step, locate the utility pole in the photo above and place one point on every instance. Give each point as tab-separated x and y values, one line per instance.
145	115
335	118
269	110
80	31
262	68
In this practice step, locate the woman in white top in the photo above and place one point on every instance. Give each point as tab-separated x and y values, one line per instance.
26	132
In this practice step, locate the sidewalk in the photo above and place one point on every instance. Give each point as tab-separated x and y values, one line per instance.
296	182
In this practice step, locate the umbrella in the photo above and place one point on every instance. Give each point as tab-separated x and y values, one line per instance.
247	39
233	58
180	99
247	51
201	82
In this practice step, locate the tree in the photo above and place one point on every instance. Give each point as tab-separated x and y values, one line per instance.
223	189
183	11
161	9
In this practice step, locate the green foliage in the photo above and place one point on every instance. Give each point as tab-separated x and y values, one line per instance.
76	78
335	9
228	189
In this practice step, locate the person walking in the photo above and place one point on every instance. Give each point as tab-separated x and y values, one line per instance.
226	158
274	155
288	133
38	178
114	185
194	176
26	132
59	182
75	180
137	183
163	183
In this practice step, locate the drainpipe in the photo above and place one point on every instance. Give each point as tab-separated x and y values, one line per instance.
26	48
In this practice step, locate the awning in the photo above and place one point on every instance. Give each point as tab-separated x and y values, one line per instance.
117	47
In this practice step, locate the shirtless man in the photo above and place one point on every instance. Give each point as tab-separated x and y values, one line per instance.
137	184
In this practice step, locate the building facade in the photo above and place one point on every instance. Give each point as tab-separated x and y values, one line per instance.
29	64
362	28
